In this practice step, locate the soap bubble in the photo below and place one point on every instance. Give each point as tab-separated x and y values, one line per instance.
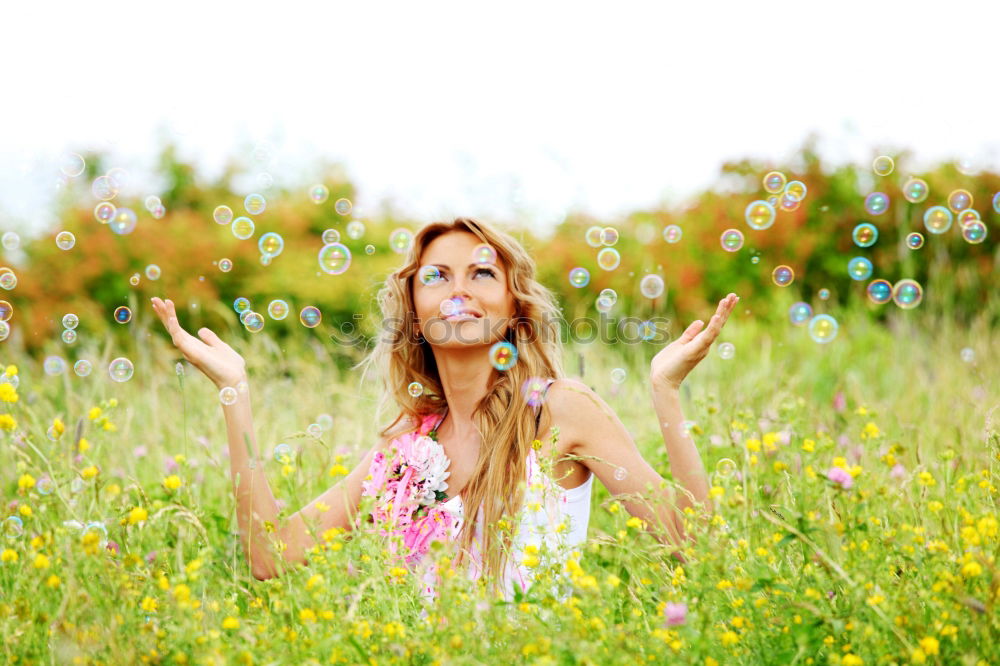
242	227
727	350
13	527
44	486
968	354
618	375
593	236
620	474
782	275
334	258
974	233
11	240
937	219
4	331
450	306
82	368
759	214
277	309
369	249
241	304
121	369
69	336
914	240
725	468
225	264
271	244
604	304
228	395
651	286
959	200
65	240
400	240
123	314
915	190
608	258
865	234
672	233
355	229
800	313
789	203
879	291
310	316
152	202
70	321
415	389
774	182
314	430
860	268
104	188
123	221
732	240
533	390
503	355
579	277
907	294
134	279
429	275
331	236
222	215
795	190
968	215
6	311
877	203
8	280
282	453
883	165
325	421
319	193
343	206
823	328
72	164
104	212
54	365
255	204
153	272
647	330
996	202
609	236
609	294
252	321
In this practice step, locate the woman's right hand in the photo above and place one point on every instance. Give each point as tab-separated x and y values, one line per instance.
216	359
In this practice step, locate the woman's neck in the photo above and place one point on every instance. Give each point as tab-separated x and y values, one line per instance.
465	375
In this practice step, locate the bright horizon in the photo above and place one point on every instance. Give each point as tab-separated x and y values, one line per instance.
519	114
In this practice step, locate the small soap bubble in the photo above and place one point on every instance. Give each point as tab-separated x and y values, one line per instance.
158	212
732	240
579	277
883	165
282	453
759	215
651	286
415	389
618	375
355	229
672	233
241	304
608	258
647	330
152	202
865	234
823	328
800	313
314	430
609	294
484	254
252	321
914	240
123	221
369	249
915	190
860	268
774	182
65	240
996	202
503	355
604	304
876	203
11	240
70	321
620	474
334	258
8	280
959	200
725	468
593	236
134	279
782	275
319	193
225	264
795	190
325	421
331	236
228	395
104	188
879	291
533	390
4	331
310	316
609	236
429	275
727	350
974	232
153	272
123	314
13	527
400	241
45	486
6	310
223	215
72	164
255	204
450	306
271	244
968	216
69	336
277	309
121	369
968	354
789	203
343	206
242	227
907	294
83	367
937	219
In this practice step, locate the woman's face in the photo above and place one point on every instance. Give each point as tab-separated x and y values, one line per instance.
477	304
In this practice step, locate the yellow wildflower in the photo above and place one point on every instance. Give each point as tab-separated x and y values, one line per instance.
25	510
41	562
870	431
26	481
339	470
808	445
636	522
89	472
172	482
230	623
8	555
83	445
11	370
929	645
531	555
307	615
149	604
7	422
753	445
851	660
730	638
58	427
52	581
137	515
8	393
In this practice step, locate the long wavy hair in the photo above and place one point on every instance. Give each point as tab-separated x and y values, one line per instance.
504	419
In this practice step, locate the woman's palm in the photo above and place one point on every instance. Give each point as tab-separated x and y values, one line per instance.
213	357
673	363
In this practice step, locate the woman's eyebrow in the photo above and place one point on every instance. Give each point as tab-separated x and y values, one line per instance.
472	265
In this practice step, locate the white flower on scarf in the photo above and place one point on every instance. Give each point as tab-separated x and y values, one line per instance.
430	467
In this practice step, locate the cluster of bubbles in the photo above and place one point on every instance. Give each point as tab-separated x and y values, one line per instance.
69	321
155	206
608	257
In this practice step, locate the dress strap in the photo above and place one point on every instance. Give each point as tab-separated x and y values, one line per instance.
538	415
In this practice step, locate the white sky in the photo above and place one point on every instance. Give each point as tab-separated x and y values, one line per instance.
495	109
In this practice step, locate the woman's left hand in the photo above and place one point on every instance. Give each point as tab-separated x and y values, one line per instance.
673	363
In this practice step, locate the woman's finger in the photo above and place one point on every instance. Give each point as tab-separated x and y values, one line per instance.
691	331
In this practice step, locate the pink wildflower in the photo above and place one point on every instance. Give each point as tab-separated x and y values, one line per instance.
840	476
675	614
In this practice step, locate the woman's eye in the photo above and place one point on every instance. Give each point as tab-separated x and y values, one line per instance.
487	271
430	275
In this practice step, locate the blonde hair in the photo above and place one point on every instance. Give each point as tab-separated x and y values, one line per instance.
503	418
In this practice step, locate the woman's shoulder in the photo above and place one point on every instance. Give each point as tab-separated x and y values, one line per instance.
571	405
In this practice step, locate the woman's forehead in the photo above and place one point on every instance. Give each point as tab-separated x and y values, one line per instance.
453	248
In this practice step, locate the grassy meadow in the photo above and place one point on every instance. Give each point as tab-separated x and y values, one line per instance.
896	565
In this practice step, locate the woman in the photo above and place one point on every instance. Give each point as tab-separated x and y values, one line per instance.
466	286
